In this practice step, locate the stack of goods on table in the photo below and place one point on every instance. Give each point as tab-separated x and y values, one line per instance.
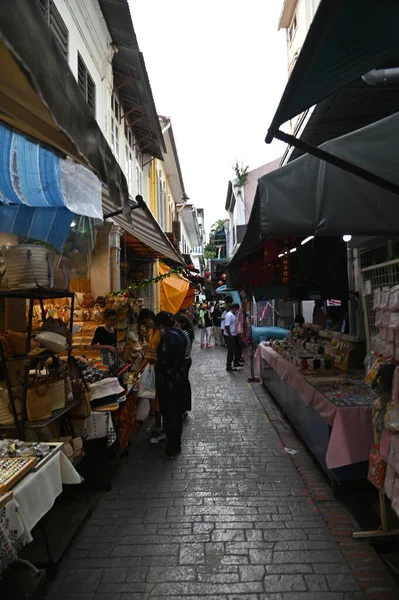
311	348
343	391
18	458
324	359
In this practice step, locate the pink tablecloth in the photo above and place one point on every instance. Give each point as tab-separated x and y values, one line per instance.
352	433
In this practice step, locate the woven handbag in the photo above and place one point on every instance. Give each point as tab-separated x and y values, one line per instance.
39	401
58	392
6	416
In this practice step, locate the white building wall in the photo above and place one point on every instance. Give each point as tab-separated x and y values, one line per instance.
185	247
89	35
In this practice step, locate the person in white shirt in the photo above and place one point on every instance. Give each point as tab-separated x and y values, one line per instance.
224	313
233	341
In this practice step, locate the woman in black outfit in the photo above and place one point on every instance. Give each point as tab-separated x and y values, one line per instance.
105	335
171	381
184	324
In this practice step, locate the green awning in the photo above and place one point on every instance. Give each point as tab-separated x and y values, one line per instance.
346	40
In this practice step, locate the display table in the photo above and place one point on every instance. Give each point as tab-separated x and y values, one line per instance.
338	436
33	497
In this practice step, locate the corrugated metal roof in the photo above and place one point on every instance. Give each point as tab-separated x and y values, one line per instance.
131	78
151	241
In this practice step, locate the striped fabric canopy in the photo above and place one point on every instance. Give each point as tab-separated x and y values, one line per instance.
40	192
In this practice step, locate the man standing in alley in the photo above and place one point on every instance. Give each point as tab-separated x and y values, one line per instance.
233	342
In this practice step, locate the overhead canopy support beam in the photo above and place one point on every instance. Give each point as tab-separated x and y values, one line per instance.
336	161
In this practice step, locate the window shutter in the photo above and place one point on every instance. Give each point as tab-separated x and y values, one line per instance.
57	25
86	84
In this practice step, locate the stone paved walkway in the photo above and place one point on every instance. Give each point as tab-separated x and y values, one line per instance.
229	519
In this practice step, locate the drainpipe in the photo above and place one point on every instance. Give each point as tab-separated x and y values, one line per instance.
382	76
165	129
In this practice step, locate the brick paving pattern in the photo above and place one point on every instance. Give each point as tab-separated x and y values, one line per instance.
231	518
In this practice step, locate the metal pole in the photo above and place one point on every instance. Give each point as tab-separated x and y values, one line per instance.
336	161
352	294
251	345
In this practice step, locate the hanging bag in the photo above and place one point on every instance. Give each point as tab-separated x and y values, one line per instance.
377	467
147	383
6	416
83	410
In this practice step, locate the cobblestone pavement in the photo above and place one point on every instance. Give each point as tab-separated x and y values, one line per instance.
230	518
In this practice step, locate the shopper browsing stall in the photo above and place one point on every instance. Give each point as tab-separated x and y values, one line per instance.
217	321
184	324
233	341
151	336
206	326
222	321
171	381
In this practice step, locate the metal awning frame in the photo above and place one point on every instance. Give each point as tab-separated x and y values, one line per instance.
337	161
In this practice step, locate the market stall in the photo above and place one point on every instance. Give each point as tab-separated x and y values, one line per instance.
380	295
310	377
32	476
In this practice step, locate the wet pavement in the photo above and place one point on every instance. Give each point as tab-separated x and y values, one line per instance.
230	518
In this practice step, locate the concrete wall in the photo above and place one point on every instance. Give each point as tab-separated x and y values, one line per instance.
252	182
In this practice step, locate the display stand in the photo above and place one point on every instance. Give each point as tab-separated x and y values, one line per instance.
383	530
31	295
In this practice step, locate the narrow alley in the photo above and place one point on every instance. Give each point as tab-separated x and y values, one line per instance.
229	518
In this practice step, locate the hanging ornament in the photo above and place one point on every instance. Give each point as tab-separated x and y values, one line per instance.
207	273
191	267
220	282
223	276
285	265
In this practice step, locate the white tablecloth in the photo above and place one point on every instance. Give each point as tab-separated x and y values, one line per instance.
35	495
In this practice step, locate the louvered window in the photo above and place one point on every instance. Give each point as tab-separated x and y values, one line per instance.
86	84
57	25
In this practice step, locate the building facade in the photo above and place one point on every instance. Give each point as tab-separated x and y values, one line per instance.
99	44
296	18
239	203
81	29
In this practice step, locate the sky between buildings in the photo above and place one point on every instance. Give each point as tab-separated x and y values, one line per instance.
218	69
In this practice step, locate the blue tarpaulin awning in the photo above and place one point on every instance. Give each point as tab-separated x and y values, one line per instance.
40	191
224	289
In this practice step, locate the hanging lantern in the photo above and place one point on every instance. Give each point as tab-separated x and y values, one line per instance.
207	273
223	276
191	267
220	282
